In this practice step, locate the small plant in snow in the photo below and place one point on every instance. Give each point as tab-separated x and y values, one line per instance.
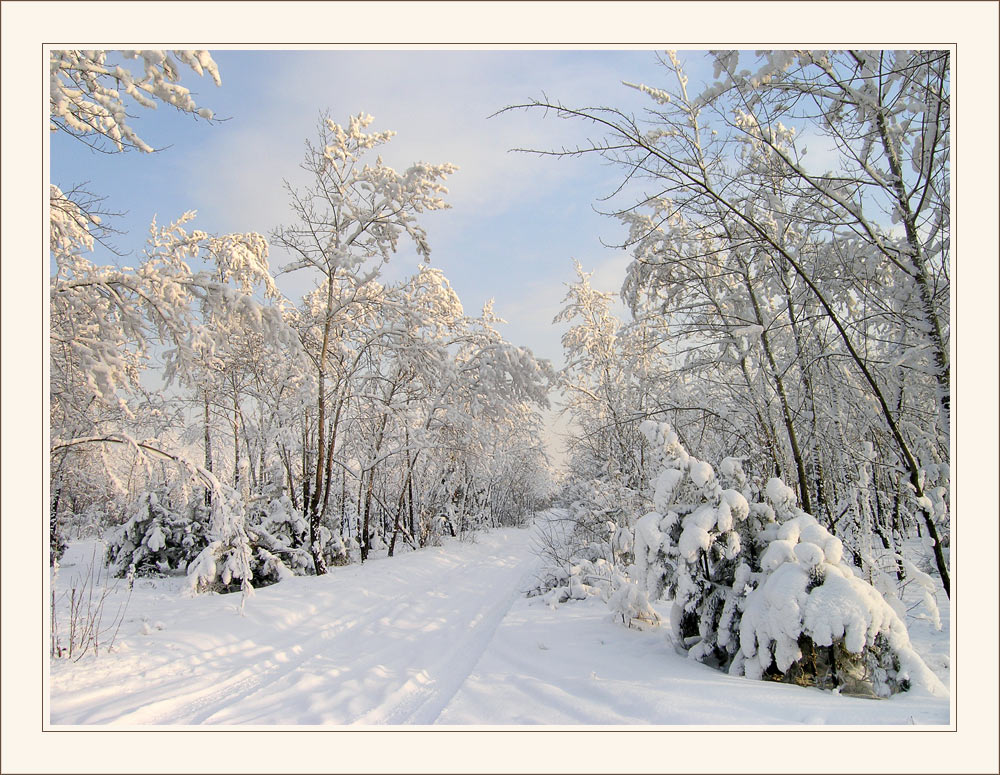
77	623
228	556
582	548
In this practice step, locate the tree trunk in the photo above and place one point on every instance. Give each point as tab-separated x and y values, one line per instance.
365	537
208	451
786	412
313	502
54	533
942	366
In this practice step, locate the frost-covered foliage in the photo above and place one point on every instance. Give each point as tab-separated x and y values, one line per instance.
70	224
370	416
792	306
158	538
761	588
368	204
88	90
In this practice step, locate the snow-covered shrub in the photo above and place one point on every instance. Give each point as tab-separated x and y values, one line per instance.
228	556
583	542
277	547
760	588
561	585
692	548
574	573
629	602
811	620
157	537
279	538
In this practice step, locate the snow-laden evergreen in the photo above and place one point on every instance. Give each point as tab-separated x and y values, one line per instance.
158	537
758	587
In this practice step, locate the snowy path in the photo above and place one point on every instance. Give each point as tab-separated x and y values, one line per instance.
389	642
440	636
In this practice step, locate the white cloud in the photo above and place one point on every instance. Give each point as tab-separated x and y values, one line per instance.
823	154
438	102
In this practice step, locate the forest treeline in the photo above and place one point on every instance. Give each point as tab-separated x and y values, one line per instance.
765	440
219	428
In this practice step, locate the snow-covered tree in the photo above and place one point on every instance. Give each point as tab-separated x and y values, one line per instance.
349	220
813	301
91	91
106	319
760	587
607	381
810	619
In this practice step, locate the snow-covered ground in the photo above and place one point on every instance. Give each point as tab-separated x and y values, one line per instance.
439	636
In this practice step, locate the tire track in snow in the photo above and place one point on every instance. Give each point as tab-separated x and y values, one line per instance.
423	704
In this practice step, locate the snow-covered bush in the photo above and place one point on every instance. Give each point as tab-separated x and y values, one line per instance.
157	538
228	556
279	539
584	541
811	620
277	548
560	585
760	588
629	602
581	573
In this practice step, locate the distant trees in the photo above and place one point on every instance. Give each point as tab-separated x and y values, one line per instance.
349	221
404	380
605	379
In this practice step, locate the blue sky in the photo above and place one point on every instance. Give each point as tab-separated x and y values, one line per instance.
516	222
